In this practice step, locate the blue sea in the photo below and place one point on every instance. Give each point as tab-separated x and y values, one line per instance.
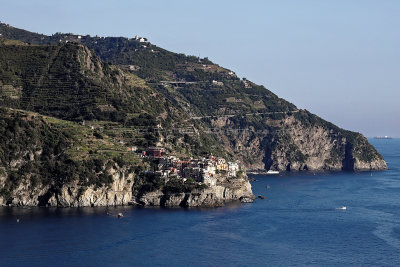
298	223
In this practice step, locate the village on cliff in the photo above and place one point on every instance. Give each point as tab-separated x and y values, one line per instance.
204	170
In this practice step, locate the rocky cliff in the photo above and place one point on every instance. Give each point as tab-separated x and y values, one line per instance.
119	192
213	196
72	107
291	143
228	116
44	162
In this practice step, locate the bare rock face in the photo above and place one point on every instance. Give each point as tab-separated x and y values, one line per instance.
152	198
28	195
296	144
119	192
212	196
220	194
378	164
175	200
320	148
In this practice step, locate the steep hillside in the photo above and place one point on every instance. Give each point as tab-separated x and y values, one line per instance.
41	155
297	141
51	162
48	79
249	122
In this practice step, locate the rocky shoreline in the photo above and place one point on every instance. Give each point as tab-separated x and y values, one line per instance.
120	193
214	196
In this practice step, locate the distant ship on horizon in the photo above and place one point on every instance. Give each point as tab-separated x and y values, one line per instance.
382	137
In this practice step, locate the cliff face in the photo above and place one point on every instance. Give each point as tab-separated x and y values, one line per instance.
320	148
252	123
213	196
44	162
120	192
292	144
77	149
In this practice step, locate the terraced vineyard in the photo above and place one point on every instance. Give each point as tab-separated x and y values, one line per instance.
140	85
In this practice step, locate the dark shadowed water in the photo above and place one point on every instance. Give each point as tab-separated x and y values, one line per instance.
297	224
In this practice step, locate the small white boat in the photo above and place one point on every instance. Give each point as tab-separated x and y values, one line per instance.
120	215
270	172
342	208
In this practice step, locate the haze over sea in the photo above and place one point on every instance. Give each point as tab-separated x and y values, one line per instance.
297	224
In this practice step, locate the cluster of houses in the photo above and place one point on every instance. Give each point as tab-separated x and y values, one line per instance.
140	39
203	170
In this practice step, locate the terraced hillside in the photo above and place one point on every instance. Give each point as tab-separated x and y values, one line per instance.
69	82
237	117
48	79
45	161
39	155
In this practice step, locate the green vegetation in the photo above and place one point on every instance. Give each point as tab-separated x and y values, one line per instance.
52	78
96	96
175	186
155	64
48	151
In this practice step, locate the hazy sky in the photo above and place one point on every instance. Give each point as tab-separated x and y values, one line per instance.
339	59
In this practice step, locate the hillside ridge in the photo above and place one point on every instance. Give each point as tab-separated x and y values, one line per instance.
133	94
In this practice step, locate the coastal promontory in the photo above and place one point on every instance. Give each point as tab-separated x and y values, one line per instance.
100	121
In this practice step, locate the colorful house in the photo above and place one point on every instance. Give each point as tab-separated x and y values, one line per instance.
155	152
